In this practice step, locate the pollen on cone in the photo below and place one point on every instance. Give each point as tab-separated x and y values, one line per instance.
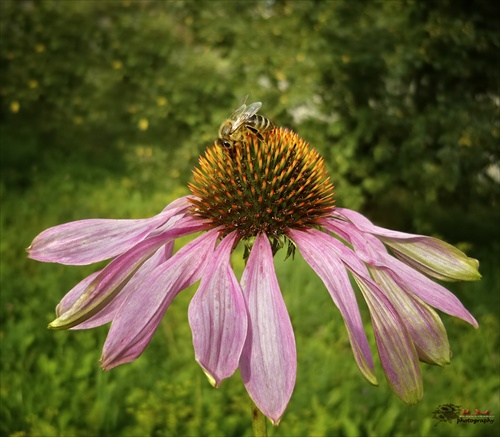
269	185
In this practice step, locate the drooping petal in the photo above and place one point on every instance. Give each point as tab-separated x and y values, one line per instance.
138	317
268	363
436	258
365	225
107	314
75	293
397	353
88	241
422	322
430	255
429	291
395	346
367	253
111	280
218	316
371	250
320	252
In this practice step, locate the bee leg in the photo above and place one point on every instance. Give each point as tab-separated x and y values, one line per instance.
255	132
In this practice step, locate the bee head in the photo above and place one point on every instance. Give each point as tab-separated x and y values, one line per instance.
226	128
224	143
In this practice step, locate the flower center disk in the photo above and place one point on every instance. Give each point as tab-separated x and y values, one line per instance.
267	185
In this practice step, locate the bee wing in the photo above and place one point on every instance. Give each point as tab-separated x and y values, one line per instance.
244	113
237	113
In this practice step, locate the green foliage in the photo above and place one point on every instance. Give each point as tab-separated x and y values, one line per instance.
414	98
105	107
52	385
400	97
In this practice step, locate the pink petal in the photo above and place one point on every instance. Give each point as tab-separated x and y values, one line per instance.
365	225
427	254
397	352
88	241
218	316
139	315
395	347
427	290
371	250
107	314
268	363
72	296
367	253
321	252
436	258
111	280
422	322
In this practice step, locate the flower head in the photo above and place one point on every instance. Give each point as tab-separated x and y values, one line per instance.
265	187
265	193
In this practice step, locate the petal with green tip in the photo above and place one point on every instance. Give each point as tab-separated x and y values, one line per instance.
218	316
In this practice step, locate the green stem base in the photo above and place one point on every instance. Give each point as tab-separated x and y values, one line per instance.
259	422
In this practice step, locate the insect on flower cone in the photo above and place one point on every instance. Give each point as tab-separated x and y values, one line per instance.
265	186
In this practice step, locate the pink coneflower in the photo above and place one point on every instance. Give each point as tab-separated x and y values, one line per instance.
266	194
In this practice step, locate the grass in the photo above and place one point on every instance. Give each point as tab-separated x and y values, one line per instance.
52	384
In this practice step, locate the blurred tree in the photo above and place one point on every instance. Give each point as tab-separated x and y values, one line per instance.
414	90
400	97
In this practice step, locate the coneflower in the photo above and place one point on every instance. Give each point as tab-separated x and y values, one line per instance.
268	194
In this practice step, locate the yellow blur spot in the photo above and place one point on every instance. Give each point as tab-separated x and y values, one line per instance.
14	107
33	84
300	57
161	101
280	75
144	151
77	120
346	59
117	64
465	140
127	182
39	48
143	124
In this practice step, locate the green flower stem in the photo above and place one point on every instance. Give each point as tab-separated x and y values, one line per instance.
259	422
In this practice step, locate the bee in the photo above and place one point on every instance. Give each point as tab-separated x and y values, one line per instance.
244	119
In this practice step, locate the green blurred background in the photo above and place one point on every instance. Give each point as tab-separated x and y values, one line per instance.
105	108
